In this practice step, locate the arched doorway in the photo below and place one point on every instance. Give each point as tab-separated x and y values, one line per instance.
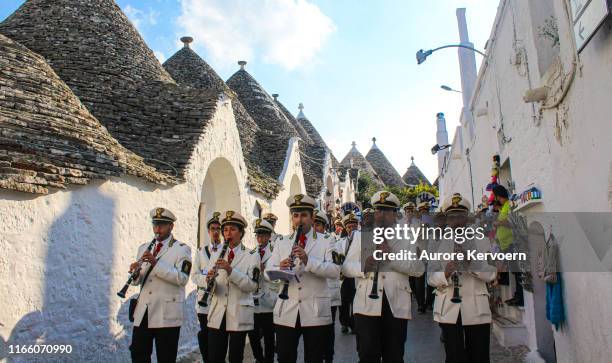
220	192
543	331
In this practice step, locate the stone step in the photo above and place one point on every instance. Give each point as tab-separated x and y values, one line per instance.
509	332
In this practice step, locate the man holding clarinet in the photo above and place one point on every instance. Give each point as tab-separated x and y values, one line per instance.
157	313
303	307
382	302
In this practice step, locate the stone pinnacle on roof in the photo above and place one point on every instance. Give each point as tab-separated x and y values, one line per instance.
242	64
413	176
374	143
275	96
186	41
301	113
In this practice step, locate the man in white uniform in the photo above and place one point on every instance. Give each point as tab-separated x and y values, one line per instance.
198	277
306	308
461	306
158	313
230	315
382	302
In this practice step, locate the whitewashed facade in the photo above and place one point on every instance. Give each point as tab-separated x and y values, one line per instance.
560	145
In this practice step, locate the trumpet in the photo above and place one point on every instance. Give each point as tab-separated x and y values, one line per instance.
134	274
210	286
285	292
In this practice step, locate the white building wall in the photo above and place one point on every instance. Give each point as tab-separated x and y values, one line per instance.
566	152
65	255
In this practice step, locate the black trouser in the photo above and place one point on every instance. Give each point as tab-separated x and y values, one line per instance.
419	292
166	342
466	344
423	292
328	355
203	336
381	336
218	344
287	340
264	327
518	292
347	295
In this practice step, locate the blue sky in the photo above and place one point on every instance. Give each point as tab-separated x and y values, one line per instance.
352	63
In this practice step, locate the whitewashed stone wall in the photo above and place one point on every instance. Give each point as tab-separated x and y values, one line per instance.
566	152
65	255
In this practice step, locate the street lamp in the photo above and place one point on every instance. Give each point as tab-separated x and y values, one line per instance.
437	147
422	55
447	88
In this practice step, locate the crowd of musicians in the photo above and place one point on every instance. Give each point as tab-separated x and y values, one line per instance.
240	294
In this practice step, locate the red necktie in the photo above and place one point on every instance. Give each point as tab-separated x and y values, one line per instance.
230	257
303	241
157	249
262	252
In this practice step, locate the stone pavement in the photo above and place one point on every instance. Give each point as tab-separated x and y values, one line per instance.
422	346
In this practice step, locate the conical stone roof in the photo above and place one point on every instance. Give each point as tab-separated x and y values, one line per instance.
189	69
313	155
355	159
276	129
383	167
413	175
47	137
98	53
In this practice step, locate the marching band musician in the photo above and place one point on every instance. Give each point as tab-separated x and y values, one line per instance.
264	298
320	225
347	290
158	313
230	315
306	309
198	277
382	302
461	305
338	228
423	292
272	218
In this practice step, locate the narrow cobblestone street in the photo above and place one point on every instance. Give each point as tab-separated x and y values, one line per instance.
422	346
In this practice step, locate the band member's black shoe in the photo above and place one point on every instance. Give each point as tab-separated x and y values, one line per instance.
344	329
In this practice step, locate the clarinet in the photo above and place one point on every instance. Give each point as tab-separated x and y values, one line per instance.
374	291
285	293
456	297
256	274
134	275
211	282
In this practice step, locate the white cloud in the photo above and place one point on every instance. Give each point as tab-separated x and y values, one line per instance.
284	32
141	18
161	57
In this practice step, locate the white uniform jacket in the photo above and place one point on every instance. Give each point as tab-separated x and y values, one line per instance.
474	306
394	283
268	290
232	296
163	293
199	272
335	283
309	296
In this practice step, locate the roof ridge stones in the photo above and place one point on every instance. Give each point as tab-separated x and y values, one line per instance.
98	53
48	138
383	167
